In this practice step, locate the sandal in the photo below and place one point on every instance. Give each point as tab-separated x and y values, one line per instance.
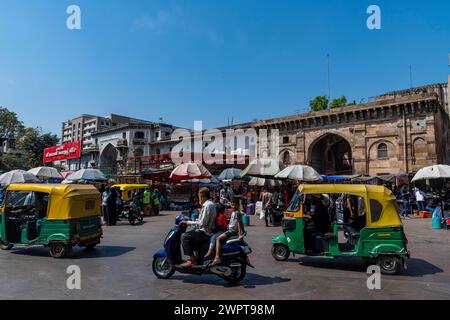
216	262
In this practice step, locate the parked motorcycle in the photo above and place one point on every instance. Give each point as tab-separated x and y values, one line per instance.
232	268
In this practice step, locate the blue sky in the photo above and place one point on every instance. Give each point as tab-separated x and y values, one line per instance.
210	60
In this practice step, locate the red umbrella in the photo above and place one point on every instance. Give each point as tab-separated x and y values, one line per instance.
190	171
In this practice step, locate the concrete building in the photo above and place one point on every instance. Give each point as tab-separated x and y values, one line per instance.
122	147
82	128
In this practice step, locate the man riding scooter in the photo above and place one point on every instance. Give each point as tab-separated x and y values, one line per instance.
195	239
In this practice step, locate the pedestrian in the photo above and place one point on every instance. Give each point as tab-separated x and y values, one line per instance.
155	202
404	196
146	201
105	196
119	203
420	199
112	208
266	198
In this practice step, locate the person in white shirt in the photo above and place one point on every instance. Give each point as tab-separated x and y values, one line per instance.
194	239
420	199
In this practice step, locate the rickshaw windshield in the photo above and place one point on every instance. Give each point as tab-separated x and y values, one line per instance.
294	206
16	199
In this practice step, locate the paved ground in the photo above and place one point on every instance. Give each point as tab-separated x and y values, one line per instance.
120	268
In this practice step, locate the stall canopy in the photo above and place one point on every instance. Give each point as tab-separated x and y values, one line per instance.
433	172
262	182
190	171
300	173
94	175
263	168
339	178
46	173
17	176
230	174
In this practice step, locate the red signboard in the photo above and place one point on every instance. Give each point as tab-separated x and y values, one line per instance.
63	152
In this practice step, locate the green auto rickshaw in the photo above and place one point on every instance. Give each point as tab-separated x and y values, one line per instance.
372	229
57	216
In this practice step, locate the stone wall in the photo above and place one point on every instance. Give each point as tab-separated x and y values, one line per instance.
386	137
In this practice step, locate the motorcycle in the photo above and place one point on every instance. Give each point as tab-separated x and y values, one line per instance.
232	268
132	214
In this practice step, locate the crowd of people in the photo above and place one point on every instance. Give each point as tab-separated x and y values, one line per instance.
148	200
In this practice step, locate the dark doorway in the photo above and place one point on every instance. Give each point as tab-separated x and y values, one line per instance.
332	155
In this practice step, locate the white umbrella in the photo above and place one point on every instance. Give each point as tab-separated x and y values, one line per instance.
87	175
17	176
46	172
300	173
230	174
262	168
262	182
432	172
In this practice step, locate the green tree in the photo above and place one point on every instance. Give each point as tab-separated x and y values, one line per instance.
339	103
33	142
10	126
319	103
9	161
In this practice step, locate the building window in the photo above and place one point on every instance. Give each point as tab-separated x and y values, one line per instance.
139	135
157	135
382	151
285	140
124	135
158	151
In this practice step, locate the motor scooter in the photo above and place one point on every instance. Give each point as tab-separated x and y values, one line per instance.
232	268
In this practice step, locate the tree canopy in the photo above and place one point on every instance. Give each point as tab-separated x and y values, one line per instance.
30	142
319	103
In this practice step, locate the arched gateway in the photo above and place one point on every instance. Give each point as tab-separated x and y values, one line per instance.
331	154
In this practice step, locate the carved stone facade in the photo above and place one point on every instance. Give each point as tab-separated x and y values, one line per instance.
395	133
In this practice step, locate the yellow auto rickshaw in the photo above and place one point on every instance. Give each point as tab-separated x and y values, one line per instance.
127	190
331	221
56	216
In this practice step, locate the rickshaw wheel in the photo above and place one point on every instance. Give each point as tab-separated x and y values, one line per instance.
4	245
59	250
280	252
389	264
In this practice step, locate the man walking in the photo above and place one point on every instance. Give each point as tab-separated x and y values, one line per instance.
404	196
266	199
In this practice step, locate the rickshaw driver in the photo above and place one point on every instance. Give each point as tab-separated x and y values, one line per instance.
41	205
318	222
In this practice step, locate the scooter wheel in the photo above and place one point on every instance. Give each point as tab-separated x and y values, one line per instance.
280	252
237	276
163	268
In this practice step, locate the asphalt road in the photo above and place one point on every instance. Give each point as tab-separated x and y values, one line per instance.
120	268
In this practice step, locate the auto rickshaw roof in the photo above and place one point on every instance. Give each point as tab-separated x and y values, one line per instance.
67	201
353	189
131	186
389	216
61	190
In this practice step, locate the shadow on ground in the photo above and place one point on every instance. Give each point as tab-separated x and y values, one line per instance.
252	280
78	253
415	267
